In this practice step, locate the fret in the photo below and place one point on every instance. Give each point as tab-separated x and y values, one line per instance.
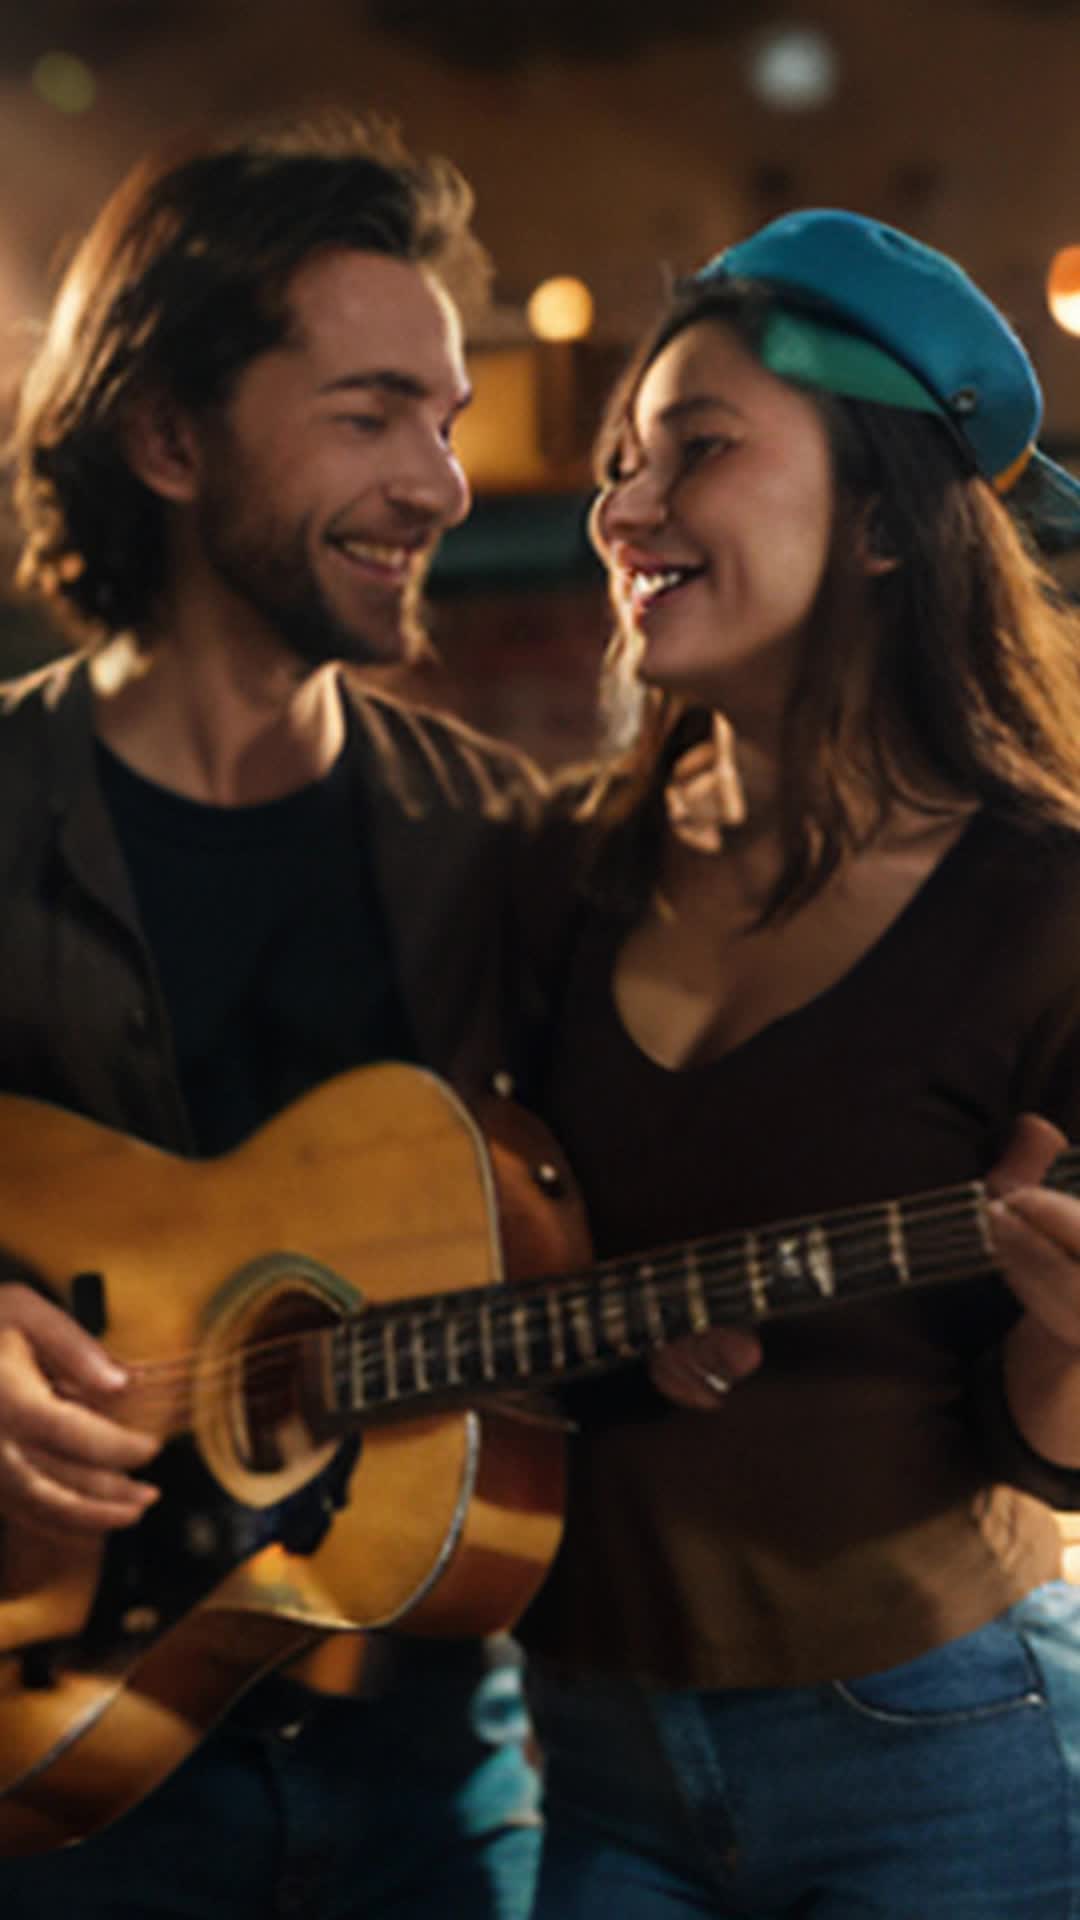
354	1396
405	1356
368	1386
650	1301
421	1370
756	1277
819	1261
522	1350
389	1357
788	1268
452	1347
613	1319
894	1221
581	1327
556	1332
700	1320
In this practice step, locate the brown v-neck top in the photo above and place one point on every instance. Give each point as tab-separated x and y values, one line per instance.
854	1502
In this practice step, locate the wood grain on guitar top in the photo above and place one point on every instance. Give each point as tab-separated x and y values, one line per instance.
223	1280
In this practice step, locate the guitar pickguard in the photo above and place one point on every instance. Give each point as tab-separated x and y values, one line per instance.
154	1573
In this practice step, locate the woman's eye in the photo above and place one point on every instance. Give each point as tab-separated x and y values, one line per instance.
700	446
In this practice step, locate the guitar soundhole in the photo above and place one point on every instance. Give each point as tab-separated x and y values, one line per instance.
276	1412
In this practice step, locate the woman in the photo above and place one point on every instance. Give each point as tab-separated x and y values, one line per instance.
806	1650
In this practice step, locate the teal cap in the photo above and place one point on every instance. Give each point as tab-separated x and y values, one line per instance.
896	321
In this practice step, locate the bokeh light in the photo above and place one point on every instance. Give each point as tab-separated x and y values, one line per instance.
561	309
65	82
792	68
1063	288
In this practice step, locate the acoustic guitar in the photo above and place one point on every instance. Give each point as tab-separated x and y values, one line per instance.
318	1328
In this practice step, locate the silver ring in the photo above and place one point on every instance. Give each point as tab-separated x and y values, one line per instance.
717	1383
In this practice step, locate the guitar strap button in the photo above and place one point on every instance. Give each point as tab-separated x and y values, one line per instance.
549	1179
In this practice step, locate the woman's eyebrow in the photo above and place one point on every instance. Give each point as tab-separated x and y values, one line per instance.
696	403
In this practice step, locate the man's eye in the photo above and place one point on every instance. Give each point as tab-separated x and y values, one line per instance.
362	422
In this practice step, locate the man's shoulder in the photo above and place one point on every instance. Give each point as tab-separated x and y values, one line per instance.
432	760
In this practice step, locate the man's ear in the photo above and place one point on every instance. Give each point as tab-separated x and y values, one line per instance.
162	446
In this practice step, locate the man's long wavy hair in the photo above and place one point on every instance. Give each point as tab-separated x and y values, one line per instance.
180	283
959	668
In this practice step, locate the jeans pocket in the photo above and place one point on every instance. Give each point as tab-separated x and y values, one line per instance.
979	1677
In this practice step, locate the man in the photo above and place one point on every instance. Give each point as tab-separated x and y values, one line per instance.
223	879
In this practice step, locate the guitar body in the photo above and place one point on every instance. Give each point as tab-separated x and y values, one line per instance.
116	1659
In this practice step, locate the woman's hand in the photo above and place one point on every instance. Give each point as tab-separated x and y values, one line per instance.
698	1372
64	1467
1036	1234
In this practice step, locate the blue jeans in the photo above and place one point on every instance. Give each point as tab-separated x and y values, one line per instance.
419	1803
944	1789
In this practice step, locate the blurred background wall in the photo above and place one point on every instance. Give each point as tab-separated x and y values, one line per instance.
614	143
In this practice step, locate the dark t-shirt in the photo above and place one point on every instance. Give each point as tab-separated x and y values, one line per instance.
267	939
839	1513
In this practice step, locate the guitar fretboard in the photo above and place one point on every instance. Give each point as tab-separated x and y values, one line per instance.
453	1347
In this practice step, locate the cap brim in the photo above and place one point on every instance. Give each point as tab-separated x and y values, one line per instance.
1047	499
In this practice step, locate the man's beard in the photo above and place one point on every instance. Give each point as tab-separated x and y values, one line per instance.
266	563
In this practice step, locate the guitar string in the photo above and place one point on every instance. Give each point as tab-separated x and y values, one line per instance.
840	1228
667	1275
715	1259
261	1397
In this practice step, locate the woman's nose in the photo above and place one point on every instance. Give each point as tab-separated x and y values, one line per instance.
624	509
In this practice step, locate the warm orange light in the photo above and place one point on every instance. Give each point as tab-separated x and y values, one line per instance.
561	309
1063	288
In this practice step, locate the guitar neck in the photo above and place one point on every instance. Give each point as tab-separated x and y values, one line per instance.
451	1348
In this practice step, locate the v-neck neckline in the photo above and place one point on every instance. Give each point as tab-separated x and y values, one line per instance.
879	952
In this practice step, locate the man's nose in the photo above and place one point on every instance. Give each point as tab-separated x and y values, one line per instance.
431	485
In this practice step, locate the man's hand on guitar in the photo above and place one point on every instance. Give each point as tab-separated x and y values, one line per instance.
698	1372
64	1466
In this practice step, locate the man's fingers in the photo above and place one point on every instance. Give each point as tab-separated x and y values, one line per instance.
58	1340
33	1412
58	1495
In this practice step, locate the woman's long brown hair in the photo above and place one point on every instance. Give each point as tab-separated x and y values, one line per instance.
956	669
